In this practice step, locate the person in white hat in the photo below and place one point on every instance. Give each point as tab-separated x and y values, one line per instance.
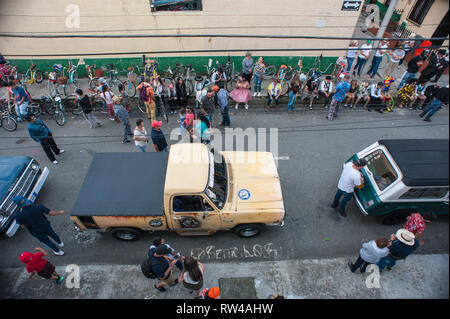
402	244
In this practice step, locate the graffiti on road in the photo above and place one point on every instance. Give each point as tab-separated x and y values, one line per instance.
256	251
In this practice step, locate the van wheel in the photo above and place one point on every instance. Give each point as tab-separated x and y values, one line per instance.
395	218
248	230
126	234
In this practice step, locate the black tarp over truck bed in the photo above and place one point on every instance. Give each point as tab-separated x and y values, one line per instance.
123	184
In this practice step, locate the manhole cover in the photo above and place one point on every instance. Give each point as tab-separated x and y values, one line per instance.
237	288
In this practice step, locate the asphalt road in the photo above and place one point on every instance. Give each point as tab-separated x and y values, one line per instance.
311	152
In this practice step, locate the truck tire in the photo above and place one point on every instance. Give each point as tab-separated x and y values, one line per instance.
396	217
248	230
126	234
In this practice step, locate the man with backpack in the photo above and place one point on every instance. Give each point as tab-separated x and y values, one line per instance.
162	267
147	96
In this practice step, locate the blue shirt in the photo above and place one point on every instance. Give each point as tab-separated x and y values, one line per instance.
159	139
341	89
20	93
33	218
222	98
159	266
38	130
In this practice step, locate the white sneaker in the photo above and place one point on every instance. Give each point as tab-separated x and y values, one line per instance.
259	93
60	245
61	151
236	107
59	252
254	94
55	162
246	106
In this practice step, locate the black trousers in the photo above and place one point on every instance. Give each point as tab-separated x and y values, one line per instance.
360	263
50	147
375	103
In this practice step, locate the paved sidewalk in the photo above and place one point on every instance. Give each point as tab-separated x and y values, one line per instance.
419	277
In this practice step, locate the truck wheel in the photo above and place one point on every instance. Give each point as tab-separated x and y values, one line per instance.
396	217
126	234
248	230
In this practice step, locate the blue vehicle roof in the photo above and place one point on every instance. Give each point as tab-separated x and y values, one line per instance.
11	167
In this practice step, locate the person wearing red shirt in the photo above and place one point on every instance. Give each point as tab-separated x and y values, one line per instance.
415	223
35	264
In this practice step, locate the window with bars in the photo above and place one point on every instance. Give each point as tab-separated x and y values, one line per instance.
420	11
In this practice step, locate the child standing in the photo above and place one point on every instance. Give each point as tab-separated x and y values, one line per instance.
35	264
107	96
182	114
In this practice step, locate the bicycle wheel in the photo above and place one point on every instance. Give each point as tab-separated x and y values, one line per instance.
270	71
141	106
230	85
35	109
75	77
164	112
284	86
93	83
9	123
288	75
115	86
99	106
38	76
49	107
130	88
71	103
60	118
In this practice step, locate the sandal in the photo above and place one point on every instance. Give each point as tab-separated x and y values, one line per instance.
160	289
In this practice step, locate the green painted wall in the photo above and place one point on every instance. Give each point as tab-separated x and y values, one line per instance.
198	63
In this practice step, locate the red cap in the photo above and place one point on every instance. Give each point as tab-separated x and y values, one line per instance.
156	123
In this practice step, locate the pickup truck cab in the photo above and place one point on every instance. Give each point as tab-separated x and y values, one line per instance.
19	175
404	176
190	190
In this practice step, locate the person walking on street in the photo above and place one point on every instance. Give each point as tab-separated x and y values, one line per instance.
147	96
415	223
36	264
207	104
441	99
413	67
31	217
193	276
40	133
140	136
158	138
247	67
162	266
338	96
124	117
351	177
370	253
377	59
364	52
222	100
402	244
86	106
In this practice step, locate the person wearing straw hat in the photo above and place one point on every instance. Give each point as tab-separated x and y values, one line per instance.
401	245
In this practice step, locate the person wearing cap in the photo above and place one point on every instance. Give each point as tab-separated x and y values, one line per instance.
339	94
377	58
124	117
31	217
40	133
211	293
162	266
273	93
207	103
36	264
350	178
364	52
440	99
402	244
158	138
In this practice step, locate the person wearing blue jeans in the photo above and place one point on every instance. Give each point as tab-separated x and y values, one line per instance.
413	67
350	177
360	62
440	99
32	217
405	78
351	53
377	59
21	101
402	244
293	90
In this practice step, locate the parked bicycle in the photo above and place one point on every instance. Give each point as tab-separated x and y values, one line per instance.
282	72
33	75
232	77
8	120
209	69
130	84
113	81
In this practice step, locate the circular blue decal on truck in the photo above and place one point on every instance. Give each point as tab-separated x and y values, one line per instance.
244	194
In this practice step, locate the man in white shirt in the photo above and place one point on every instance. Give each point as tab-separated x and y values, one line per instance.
362	57
376	97
377	58
326	89
350	177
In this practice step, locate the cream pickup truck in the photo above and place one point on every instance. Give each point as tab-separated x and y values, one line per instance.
190	190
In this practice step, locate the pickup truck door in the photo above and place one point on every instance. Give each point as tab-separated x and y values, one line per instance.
191	213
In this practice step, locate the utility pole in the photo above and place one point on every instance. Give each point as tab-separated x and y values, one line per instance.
380	33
